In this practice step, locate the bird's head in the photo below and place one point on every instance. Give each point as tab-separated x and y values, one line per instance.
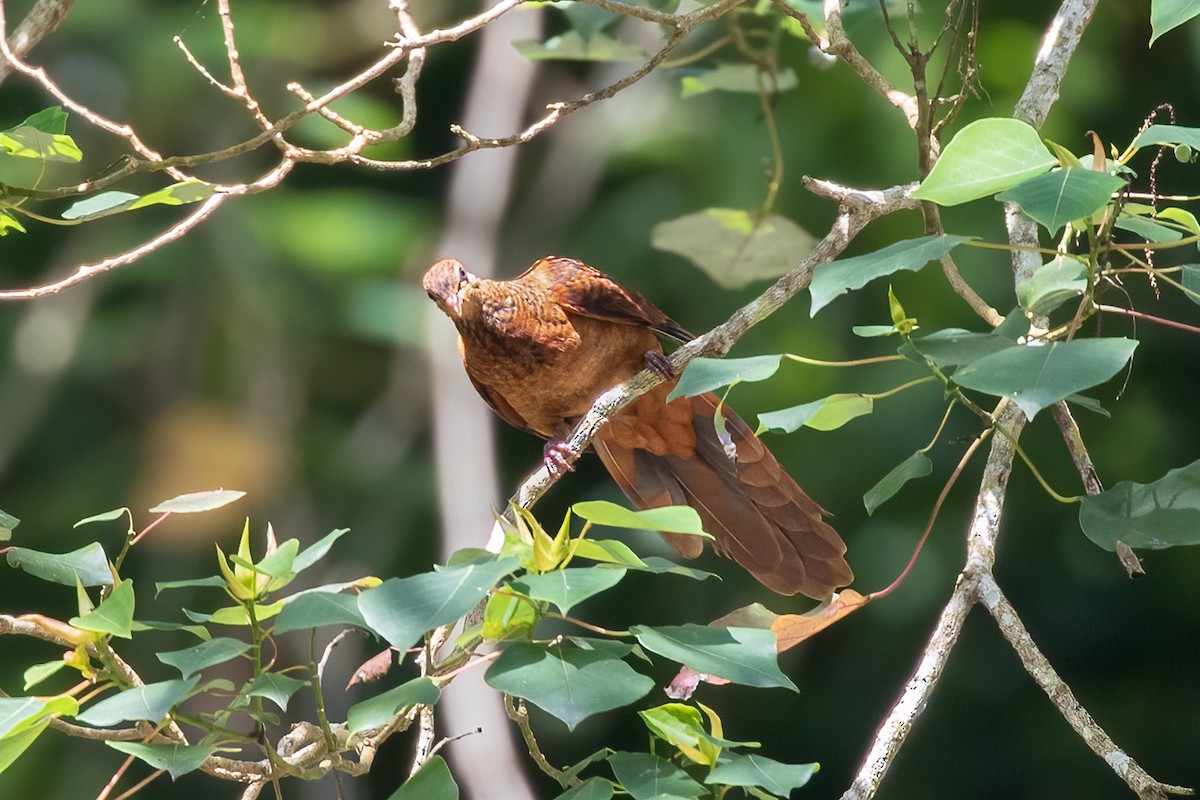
445	283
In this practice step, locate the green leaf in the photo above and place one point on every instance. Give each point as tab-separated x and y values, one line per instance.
1146	228
1051	285
26	141
565	681
12	746
1191	281
1162	513
1064	195
191	660
661	566
378	710
87	565
835	278
1168	134
50	120
150	702
741	655
276	565
737	769
953	347
668	519
917	465
571	46
7	523
873	331
985	157
432	782
567	587
608	551
401	610
737	78
108	203
733	251
177	759
508	616
107	516
316	551
1036	377
199	631
39	672
21	713
212	580
275	687
590	789
825	414
705	374
113	616
314	609
194	502
646	777
1166	15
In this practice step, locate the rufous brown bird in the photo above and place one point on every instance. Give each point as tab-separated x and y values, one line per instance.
541	347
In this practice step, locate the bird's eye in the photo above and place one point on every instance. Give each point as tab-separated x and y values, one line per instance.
462	277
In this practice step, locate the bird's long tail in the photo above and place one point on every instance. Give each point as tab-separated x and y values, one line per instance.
671	454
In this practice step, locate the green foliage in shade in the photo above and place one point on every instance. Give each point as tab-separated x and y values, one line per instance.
737	78
590	789
741	655
377	710
39	672
567	682
1168	135
195	502
706	374
177	759
917	465
1191	281
87	565
11	747
1166	15
567	587
317	550
432	782
41	137
1142	225
953	347
727	245
107	516
150	702
108	203
647	776
1155	515
113	616
571	46
314	609
1064	195
211	581
750	769
825	414
835	278
985	157
401	610
7	523
669	519
1051	285
274	687
191	660
1036	377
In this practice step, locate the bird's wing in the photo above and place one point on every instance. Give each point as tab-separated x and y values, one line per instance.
588	292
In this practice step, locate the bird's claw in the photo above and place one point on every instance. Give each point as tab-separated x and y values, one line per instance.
559	458
660	364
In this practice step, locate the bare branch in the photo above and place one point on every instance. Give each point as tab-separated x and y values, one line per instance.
41	21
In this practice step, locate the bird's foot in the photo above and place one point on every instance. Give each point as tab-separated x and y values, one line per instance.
558	457
660	364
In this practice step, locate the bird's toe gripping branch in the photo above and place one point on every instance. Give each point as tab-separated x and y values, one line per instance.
659	363
560	459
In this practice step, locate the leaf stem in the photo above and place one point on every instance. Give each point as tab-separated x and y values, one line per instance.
858	362
901	387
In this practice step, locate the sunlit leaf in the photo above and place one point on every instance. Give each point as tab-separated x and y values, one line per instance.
314	609
835	278
1064	195
705	374
741	655
87	565
1037	377
108	203
401	610
567	587
985	157
1162	513
738	77
9	223
21	713
668	519
508	615
567	682
113	616
107	516
194	502
792	629
378	710
917	465
727	245
177	759
150	702
1166	15
825	414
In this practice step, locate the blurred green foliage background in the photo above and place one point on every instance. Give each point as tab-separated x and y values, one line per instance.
279	349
